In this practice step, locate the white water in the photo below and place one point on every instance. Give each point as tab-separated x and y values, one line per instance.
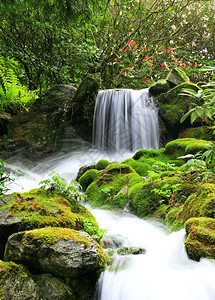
163	273
125	119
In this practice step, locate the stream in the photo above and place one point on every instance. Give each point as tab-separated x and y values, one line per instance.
164	272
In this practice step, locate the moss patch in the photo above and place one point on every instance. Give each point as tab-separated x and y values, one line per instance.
180	147
102	164
51	235
200	240
109	184
88	177
39	208
10	270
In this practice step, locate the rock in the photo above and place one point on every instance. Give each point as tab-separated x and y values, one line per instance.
39	208
62	252
4	119
88	177
102	164
52	288
109	183
159	87
16	283
200	241
176	77
131	251
84	169
88	87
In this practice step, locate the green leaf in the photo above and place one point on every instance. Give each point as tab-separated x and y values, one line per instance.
193	117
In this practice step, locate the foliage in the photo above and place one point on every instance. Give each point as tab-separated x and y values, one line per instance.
4	179
57	183
13	94
204	110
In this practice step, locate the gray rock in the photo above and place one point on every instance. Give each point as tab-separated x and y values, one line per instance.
131	250
65	258
20	289
52	288
84	169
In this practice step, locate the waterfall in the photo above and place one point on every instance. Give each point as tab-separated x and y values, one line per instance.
125	119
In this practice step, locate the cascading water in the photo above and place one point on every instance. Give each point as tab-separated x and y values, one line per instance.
125	119
163	273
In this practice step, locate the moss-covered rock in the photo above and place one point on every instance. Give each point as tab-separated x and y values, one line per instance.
40	208
172	105
88	177
200	204
177	76
140	167
180	147
16	282
146	196
102	164
159	87
61	252
200	241
111	181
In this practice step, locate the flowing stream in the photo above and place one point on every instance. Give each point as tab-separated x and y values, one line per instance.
163	273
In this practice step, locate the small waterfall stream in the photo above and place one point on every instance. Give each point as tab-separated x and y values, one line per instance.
164	272
125	119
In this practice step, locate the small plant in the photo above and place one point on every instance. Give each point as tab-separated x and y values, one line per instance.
194	160
59	184
168	192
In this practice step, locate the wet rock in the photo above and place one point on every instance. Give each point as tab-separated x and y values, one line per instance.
59	251
84	169
200	241
131	251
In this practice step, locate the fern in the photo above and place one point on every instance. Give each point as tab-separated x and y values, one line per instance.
12	92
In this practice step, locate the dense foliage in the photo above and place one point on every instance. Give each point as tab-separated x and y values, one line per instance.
131	43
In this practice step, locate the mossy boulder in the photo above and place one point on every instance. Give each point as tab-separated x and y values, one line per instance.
84	169
201	203
146	196
159	87
181	147
88	177
140	167
40	208
62	252
111	181
172	106
176	77
200	241
102	164
16	282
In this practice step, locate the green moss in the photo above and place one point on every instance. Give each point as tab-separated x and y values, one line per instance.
180	147
172	219
39	208
200	204
88	177
148	195
120	200
10	270
200	241
148	153
140	167
102	164
51	235
198	146
110	182
194	132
